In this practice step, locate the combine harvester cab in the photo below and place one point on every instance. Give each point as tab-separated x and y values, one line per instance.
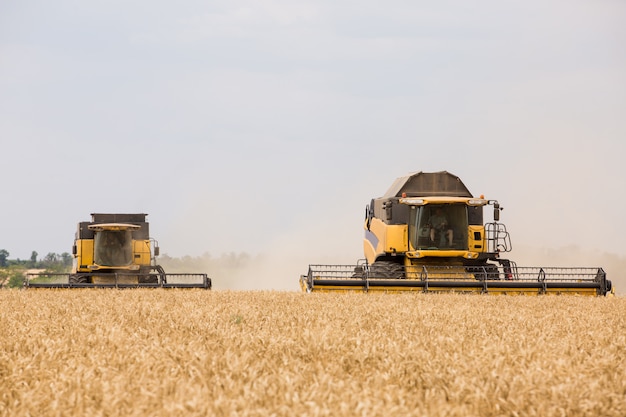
115	250
427	234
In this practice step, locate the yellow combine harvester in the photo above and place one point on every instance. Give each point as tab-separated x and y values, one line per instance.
115	250
427	234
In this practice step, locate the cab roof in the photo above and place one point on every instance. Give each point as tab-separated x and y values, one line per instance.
428	184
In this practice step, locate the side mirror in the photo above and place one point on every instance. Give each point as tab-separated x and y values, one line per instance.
496	212
388	210
156	251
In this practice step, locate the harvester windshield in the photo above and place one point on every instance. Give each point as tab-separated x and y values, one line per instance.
113	248
438	226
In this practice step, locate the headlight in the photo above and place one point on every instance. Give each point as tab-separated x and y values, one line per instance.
412	201
477	202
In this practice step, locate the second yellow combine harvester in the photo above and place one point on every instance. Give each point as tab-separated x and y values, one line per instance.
427	234
116	250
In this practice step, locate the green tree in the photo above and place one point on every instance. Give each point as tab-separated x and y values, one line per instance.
66	258
51	258
33	257
4	254
16	279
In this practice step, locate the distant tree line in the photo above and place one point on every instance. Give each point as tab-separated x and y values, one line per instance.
52	261
12	270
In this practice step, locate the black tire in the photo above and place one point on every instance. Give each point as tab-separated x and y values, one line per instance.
151	274
149	279
79	279
386	270
359	272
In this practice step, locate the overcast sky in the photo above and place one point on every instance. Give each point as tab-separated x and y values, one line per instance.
265	127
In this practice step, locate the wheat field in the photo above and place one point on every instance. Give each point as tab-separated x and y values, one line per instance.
268	353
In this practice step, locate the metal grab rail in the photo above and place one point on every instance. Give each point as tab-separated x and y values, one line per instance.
497	237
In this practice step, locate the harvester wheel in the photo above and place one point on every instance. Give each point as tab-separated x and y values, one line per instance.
79	279
149	279
384	269
359	272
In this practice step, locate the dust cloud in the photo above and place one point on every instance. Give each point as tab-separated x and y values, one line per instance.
241	271
269	262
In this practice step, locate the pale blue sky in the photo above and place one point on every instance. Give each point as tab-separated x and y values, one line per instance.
266	127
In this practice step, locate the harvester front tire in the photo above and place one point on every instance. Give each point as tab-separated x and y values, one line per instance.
386	270
79	279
